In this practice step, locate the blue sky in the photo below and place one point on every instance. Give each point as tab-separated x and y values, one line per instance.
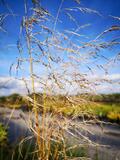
9	51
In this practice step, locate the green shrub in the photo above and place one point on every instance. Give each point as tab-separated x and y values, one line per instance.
3	135
115	116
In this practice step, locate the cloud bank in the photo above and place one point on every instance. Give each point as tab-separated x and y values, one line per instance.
10	85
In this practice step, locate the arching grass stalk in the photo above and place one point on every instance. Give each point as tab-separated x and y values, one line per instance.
35	109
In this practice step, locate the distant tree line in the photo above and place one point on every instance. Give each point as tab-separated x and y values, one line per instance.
115	97
13	98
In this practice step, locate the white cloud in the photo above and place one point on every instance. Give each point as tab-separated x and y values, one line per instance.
108	88
112	77
106	77
9	85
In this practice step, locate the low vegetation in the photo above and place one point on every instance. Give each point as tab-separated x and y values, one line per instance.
26	149
3	135
101	106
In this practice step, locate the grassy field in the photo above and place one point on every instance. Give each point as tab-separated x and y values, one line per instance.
79	106
110	111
